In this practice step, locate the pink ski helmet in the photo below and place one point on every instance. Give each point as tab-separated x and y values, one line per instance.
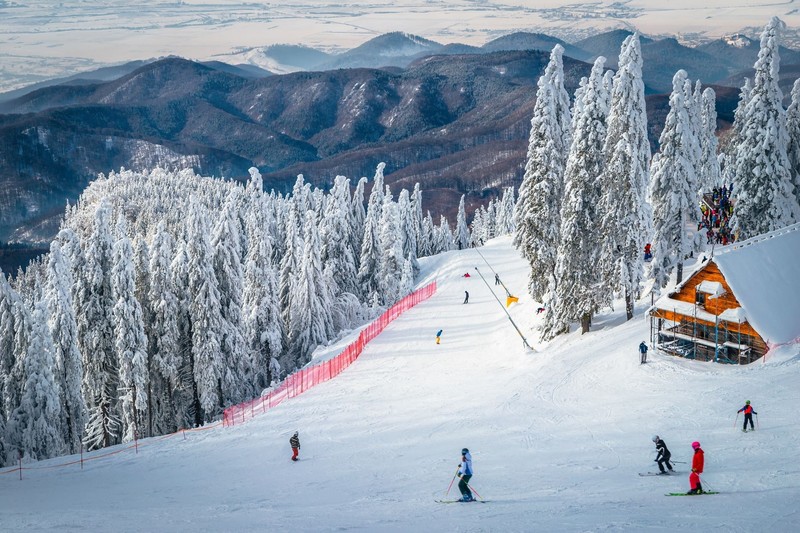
695	445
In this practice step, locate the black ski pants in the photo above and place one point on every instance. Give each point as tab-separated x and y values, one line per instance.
463	485
664	461
748	416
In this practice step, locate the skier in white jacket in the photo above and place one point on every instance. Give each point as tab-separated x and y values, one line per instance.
465	473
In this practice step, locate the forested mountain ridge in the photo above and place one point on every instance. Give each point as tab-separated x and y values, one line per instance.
456	123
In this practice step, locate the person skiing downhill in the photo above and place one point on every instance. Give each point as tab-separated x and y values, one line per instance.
748	415
663	456
465	474
697	469
294	442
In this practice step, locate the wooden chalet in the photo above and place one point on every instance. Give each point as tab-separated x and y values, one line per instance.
736	305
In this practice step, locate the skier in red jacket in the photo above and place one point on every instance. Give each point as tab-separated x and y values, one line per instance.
697	469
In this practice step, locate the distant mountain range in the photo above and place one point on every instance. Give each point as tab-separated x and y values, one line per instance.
454	118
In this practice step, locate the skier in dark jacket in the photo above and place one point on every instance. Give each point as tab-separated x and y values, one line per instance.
643	352
466	297
748	415
663	456
294	442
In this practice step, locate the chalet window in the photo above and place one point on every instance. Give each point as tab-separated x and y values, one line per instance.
700	298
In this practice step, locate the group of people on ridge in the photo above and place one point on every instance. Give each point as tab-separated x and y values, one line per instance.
663	454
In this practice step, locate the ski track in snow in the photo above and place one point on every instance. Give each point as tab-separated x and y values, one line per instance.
557	436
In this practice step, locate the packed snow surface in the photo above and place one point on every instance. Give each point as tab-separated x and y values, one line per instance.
557	435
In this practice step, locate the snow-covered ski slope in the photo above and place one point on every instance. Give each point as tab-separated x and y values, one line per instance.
557	436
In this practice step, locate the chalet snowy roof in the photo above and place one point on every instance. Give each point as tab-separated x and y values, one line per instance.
764	275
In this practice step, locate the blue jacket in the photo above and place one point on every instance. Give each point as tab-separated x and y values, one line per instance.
643	347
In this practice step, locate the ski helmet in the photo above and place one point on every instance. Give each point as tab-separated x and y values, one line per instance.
655	438
747	402
695	445
464	451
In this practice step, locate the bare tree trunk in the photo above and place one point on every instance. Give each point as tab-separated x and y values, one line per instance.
680	272
586	322
628	304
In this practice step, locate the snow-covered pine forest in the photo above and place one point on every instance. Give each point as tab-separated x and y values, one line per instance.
167	296
591	200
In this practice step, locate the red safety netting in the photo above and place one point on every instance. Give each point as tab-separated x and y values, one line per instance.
301	381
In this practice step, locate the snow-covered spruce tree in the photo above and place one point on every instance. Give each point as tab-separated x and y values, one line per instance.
8	398
462	236
370	251
537	211
478	229
429	236
708	174
335	228
260	311
793	131
728	159
576	295
185	396
358	214
417	218
443	242
204	310
409	227
310	317
130	342
673	189
763	182
391	260
164	335
35	428
237	377
95	318
64	332
623	211
289	266
505	213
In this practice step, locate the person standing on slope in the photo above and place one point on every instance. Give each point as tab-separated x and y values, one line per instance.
697	469
643	351
466	297
748	415
663	456
438	336
294	442
465	474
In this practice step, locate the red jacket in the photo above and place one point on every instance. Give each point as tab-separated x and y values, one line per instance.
697	461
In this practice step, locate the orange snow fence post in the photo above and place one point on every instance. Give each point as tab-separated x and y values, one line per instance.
510	300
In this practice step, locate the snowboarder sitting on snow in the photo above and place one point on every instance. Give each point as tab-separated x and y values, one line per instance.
539	310
648	255
697	469
748	415
662	458
294	442
643	351
465	474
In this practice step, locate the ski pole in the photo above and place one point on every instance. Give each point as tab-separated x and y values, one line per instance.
678	462
735	421
759	427
475	491
451	481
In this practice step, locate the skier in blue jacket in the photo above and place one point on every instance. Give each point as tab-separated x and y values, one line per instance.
465	474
